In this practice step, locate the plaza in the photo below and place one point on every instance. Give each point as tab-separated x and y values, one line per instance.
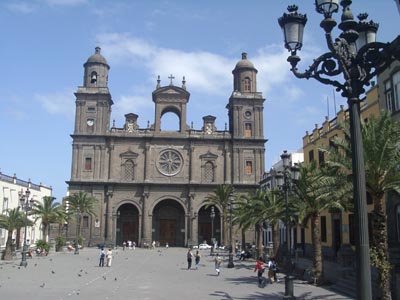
142	274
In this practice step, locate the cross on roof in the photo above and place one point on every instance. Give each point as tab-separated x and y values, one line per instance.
171	77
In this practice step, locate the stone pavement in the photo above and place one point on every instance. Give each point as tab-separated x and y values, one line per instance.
143	274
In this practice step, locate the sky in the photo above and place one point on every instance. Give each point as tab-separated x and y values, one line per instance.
44	44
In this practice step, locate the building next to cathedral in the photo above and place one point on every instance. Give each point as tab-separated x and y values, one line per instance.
151	183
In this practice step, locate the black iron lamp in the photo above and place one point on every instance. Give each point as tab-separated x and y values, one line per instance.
26	205
357	58
231	203
78	219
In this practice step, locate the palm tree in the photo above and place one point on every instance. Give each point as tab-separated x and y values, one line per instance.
381	140
220	198
82	203
14	220
257	208
47	212
314	192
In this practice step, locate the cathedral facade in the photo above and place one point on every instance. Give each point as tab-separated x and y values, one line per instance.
151	183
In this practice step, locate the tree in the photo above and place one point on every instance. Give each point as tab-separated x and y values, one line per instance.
47	212
220	198
13	220
257	208
316	191
84	204
381	140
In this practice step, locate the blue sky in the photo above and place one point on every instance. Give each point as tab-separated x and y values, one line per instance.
44	44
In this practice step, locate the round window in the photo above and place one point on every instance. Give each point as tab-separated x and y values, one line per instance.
169	162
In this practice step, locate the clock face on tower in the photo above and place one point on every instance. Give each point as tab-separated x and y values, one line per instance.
90	122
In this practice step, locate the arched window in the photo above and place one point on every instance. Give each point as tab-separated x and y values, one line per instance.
248	132
129	170
93	77
247	84
398	222
208	172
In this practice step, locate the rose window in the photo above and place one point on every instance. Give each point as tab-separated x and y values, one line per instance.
169	162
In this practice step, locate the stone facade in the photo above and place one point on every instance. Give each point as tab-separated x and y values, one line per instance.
151	183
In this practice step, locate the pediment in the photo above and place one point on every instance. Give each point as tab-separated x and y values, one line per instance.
171	90
208	156
129	154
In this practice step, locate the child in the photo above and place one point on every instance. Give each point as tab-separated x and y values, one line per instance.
218	261
260	268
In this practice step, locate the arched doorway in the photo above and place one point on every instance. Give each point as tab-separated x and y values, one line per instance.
209	225
127	224
169	223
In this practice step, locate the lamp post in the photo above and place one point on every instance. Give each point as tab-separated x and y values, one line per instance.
358	58
230	262
78	218
284	182
26	204
212	216
114	215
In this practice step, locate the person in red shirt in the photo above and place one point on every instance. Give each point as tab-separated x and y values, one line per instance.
260	268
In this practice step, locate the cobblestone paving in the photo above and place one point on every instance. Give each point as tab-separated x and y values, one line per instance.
159	274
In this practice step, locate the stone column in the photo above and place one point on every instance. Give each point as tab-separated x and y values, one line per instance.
146	219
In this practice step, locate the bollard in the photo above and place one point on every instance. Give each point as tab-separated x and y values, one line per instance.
289	288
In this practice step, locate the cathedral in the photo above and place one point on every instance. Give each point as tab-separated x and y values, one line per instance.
151	183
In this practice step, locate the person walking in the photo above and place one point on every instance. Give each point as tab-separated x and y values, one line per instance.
109	257
260	268
273	269
197	259
189	256
102	256
123	246
218	261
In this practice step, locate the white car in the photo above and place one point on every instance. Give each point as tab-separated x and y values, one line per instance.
204	246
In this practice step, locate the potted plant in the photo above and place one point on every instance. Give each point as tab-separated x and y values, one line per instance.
60	243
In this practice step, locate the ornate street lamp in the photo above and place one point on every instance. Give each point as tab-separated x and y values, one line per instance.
26	204
212	216
231	199
285	182
78	218
114	215
358	58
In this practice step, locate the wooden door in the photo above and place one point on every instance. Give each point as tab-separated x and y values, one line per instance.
168	232
128	231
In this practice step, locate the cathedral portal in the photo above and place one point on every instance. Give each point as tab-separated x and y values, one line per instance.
127	224
169	223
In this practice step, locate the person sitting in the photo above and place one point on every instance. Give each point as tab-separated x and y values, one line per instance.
244	255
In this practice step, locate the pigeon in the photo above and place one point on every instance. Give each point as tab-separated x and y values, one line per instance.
42	286
52	272
79	275
104	277
81	270
115	278
35	265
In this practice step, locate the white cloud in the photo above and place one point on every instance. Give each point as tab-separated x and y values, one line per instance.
57	102
66	2
21	7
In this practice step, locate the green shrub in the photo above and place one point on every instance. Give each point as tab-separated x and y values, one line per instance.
43	245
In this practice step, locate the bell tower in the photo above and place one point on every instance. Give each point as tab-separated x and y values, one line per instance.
93	99
246	123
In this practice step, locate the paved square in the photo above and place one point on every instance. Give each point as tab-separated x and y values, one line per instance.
141	274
